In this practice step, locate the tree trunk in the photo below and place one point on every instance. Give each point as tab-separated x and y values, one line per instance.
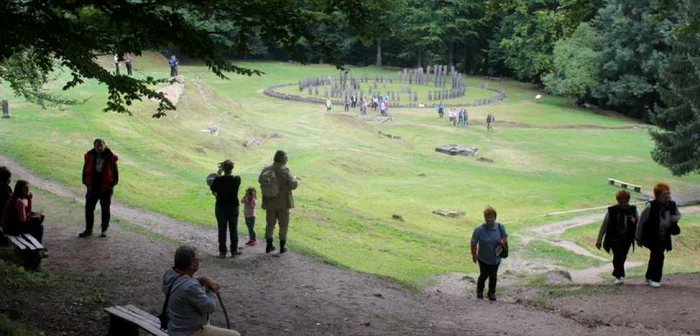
466	62
379	53
320	60
451	54
420	59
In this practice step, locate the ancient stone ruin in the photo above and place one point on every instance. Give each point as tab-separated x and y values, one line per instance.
454	149
449	213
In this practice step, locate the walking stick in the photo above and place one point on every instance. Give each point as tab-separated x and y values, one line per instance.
228	323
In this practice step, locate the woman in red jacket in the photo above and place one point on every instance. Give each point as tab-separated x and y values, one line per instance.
18	217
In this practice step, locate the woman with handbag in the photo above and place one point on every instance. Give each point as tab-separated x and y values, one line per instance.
657	223
489	245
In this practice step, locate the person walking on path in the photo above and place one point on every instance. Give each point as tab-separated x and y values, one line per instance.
127	61
617	233
225	189
346	104
329	105
440	109
489	122
173	62
116	64
485	240
657	223
100	176
249	201
276	184
190	300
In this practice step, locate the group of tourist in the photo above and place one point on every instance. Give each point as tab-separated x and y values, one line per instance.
128	59
456	118
375	102
191	300
127	62
621	228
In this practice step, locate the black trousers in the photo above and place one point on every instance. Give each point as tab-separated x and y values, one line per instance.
128	68
620	251
655	267
227	218
173	71
490	272
33	226
91	199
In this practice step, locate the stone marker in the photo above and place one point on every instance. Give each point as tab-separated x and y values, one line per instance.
6	109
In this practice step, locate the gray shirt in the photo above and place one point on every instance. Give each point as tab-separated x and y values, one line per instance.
189	306
486	238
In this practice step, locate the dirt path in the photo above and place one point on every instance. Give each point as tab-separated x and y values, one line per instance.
265	293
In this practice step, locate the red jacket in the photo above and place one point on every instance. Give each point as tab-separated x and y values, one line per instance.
109	176
14	213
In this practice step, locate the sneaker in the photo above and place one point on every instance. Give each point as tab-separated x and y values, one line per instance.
43	254
654	284
103	234
647	281
619	281
480	295
492	296
222	255
85	234
252	243
237	253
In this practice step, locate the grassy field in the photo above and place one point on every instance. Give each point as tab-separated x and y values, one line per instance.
351	179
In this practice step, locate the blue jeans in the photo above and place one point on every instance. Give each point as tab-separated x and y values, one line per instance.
227	218
250	223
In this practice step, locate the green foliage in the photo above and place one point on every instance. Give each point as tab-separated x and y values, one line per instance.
634	45
577	64
527	33
9	327
75	33
678	139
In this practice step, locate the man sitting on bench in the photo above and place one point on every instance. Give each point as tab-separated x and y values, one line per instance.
191	299
17	215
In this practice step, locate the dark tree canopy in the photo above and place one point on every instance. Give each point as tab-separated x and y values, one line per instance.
38	36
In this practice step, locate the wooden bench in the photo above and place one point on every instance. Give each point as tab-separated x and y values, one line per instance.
29	248
625	185
127	320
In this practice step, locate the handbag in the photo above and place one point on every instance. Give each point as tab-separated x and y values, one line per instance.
163	317
502	249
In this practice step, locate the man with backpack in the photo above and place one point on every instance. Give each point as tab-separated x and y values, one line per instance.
276	185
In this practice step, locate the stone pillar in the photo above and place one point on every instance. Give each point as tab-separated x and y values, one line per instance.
6	109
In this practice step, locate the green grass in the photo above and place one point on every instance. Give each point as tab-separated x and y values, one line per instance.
10	327
538	249
352	180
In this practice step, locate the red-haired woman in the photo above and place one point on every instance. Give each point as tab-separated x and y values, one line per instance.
658	221
618	228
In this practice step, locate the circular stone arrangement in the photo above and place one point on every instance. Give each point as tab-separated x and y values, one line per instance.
405	90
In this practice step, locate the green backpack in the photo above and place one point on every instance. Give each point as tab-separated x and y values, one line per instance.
268	182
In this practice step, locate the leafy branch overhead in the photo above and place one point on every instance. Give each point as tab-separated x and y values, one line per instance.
45	35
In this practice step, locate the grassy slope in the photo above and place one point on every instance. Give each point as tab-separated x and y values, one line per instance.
352	180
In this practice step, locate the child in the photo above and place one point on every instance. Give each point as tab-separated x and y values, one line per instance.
249	201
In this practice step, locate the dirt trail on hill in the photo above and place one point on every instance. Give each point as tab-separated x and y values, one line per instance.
273	294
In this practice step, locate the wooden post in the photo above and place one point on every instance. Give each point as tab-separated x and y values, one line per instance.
6	109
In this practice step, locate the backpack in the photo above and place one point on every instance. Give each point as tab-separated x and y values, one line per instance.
268	182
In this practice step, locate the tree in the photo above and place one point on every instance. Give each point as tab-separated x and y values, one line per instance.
527	33
72	33
634	45
678	137
577	64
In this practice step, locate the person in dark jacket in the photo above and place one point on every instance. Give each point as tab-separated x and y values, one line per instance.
5	189
100	175
657	223
619	228
225	189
